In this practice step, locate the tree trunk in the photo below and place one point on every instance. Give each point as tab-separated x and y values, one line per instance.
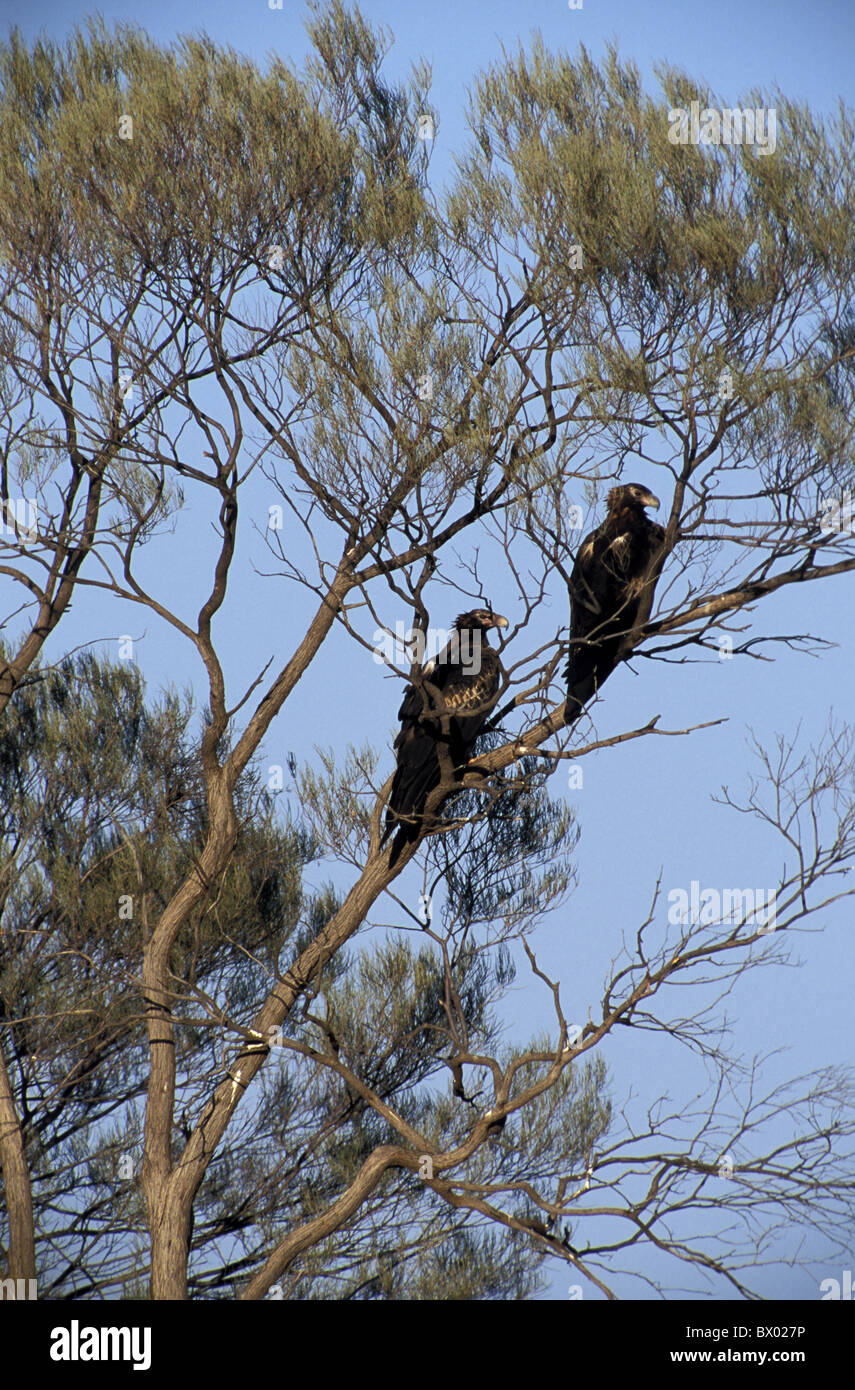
16	1179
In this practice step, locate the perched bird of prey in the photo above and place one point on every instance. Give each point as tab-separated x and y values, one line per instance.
611	591
447	706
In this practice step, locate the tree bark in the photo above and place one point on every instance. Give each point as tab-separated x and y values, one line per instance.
16	1179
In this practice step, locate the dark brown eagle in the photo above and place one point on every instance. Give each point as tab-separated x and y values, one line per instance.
458	689
611	591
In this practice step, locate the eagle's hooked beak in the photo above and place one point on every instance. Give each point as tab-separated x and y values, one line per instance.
499	621
650	500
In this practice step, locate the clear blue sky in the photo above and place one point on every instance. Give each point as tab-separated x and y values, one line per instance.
645	807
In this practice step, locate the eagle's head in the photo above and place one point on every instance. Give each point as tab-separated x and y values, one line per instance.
632	495
480	620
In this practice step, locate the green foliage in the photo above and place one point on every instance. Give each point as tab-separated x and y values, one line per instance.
510	860
102	810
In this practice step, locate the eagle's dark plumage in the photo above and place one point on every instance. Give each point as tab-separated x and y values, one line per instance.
462	685
611	591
